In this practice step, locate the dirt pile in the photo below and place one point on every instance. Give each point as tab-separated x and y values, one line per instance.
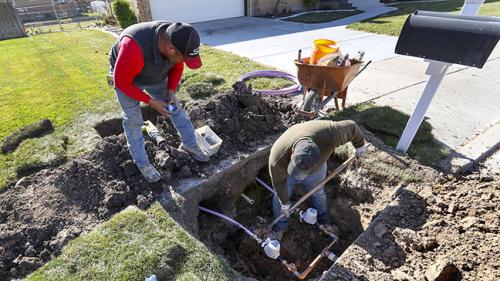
42	212
243	120
461	234
443	230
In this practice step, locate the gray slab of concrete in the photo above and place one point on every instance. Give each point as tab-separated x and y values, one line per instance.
478	149
389	76
489	72
492	165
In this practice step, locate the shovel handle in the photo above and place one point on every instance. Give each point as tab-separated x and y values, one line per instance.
316	188
363	68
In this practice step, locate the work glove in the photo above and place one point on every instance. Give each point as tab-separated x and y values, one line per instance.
285	209
361	150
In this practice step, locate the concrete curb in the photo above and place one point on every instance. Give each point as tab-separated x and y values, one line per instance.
468	155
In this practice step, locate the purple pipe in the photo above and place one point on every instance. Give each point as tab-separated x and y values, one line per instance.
231	221
274	73
264	184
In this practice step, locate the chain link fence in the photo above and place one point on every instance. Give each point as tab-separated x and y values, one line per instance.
45	16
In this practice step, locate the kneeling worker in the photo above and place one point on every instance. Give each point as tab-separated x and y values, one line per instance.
298	158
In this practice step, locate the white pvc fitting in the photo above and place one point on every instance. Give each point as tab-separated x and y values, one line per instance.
309	216
272	248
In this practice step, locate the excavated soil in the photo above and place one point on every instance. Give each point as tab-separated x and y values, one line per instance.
354	198
40	213
444	230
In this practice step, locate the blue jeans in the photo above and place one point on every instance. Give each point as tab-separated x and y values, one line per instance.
317	200
132	122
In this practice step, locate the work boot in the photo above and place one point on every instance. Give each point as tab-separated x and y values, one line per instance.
150	173
196	153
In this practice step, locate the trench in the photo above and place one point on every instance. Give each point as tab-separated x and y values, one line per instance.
88	190
301	242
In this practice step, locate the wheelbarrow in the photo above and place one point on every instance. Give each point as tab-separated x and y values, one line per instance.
322	83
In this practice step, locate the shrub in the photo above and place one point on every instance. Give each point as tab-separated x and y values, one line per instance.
109	19
124	13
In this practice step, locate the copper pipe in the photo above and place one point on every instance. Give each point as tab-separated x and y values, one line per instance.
324	253
311	266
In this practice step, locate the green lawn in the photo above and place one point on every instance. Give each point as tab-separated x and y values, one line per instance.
222	69
133	245
388	124
392	23
323	16
61	76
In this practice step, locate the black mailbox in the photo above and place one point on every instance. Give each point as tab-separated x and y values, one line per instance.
458	39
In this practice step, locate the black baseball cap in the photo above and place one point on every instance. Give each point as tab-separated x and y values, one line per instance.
187	40
304	157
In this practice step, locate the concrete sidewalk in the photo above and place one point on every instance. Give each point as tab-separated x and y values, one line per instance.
465	113
276	43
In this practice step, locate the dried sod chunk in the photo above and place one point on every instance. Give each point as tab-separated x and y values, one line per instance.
200	90
34	130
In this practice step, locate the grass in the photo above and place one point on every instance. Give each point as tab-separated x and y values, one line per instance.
388	124
222	69
392	23
61	76
132	246
390	172
320	17
268	83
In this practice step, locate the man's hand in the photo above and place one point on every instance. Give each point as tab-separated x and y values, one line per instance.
285	209
171	98
159	106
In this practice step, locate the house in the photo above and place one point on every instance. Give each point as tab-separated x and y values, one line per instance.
205	10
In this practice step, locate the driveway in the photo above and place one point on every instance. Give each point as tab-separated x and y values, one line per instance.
465	113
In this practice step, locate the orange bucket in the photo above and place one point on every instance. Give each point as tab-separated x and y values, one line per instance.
321	48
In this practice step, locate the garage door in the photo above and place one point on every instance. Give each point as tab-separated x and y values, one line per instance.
196	10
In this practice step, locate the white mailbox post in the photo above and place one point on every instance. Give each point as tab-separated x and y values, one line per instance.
436	70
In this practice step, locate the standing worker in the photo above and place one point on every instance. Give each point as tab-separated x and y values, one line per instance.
147	62
298	158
